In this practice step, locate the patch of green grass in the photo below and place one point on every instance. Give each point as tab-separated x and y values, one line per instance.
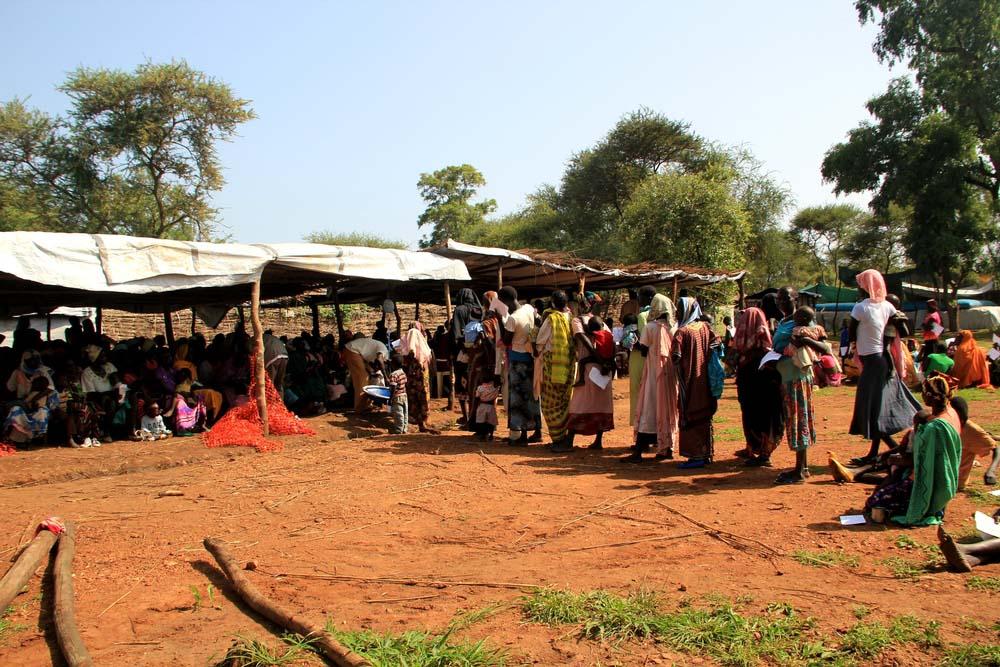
419	649
973	394
903	568
867	639
979	496
466	619
972	655
861	611
973	624
600	614
729	433
250	652
824	558
988	584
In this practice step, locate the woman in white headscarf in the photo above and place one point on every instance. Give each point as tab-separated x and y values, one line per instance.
656	419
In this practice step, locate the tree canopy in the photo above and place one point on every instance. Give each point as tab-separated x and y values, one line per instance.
933	144
363	239
450	211
135	155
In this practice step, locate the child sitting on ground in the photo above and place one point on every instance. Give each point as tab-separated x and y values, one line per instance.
604	349
804	356
486	412
152	426
398	405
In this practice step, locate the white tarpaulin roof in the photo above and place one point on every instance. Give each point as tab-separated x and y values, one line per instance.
963	292
42	270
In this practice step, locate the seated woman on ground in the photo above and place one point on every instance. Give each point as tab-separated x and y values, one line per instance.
28	419
919	495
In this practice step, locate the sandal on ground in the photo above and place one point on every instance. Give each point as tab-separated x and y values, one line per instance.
859	461
789	477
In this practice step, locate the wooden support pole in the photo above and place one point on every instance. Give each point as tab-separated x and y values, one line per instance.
99	321
499	274
324	642
416	311
399	320
194	315
314	311
447	319
168	327
340	319
676	289
742	302
258	355
67	632
48	327
20	572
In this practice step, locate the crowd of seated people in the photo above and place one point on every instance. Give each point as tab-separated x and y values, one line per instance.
88	389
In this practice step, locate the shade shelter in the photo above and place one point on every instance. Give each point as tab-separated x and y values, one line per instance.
538	272
40	271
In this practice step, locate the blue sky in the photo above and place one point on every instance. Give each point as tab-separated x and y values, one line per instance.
355	100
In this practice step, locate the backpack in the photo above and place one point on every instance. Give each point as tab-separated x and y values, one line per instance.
716	372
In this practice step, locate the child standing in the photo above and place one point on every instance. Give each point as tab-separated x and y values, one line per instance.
399	408
486	411
152	426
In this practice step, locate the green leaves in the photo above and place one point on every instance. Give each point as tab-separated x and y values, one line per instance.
450	212
136	155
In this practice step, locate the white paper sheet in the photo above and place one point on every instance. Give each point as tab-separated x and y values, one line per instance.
993	354
937	329
599	378
995	492
852	519
769	357
987	527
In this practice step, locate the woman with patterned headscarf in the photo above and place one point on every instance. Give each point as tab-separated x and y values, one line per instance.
918	494
758	389
869	318
554	369
692	350
591	409
656	417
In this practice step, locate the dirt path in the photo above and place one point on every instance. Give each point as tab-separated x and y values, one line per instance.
426	507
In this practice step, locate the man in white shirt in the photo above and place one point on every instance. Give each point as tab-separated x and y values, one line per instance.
359	354
524	411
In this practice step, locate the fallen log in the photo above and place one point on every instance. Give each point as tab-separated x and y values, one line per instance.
67	633
324	643
27	563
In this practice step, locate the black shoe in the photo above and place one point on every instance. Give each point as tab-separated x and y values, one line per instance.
537	437
596	445
561	447
665	456
758	462
632	458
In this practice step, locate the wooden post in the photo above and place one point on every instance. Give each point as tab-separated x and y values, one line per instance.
676	289
99	321
582	284
168	327
399	320
416	311
447	318
48	333
194	314
314	311
19	574
741	303
340	319
258	355
67	632
499	274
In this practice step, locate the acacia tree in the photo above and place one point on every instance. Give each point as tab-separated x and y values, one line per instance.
450	211
880	240
136	154
826	231
361	239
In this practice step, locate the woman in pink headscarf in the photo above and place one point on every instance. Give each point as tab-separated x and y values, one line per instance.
867	328
417	356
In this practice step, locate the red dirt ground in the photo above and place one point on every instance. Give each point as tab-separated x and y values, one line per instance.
350	501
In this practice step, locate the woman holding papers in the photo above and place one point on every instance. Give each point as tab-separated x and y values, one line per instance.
591	410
